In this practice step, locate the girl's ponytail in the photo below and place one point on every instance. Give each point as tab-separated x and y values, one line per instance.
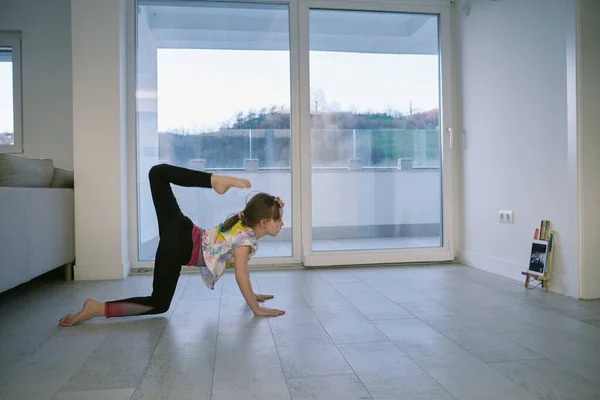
230	222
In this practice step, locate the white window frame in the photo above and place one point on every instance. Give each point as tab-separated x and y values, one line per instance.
299	64
447	251
13	40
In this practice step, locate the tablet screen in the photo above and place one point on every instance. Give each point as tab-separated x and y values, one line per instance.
537	262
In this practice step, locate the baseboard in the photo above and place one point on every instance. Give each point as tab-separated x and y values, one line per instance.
498	266
99	272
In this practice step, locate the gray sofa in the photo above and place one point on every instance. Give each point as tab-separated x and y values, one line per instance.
37	224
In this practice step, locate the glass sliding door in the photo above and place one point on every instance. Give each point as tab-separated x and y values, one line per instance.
213	94
341	108
372	136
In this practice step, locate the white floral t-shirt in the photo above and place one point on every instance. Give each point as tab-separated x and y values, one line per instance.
217	250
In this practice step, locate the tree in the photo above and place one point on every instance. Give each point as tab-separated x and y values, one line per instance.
318	100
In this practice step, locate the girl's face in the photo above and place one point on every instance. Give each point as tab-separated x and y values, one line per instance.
273	226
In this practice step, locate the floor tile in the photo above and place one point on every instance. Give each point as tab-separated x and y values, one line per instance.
121	360
389	373
370	302
548	380
248	375
346	387
187	338
417	339
313	359
111	394
181	376
471	379
580	357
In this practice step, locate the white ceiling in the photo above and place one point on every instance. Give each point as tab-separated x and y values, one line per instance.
206	25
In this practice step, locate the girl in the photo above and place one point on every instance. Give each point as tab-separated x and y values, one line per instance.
231	243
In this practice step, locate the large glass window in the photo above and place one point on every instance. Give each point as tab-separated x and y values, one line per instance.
10	93
337	107
214	94
375	130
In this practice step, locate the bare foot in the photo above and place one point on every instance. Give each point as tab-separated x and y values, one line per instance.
222	183
91	309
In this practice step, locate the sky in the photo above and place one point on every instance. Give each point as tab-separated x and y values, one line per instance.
6	97
200	90
203	89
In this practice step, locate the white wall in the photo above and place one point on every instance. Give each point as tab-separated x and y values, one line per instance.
588	129
99	138
513	84
46	76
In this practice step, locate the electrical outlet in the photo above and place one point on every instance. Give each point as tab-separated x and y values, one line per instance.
506	216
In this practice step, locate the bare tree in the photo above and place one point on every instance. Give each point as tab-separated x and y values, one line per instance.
318	100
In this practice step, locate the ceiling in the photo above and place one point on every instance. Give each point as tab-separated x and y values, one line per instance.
247	26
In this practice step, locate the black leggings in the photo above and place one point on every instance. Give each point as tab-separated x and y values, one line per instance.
174	246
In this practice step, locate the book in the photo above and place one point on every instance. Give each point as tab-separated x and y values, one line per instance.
542	230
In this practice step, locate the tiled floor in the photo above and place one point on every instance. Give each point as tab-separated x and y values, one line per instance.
427	332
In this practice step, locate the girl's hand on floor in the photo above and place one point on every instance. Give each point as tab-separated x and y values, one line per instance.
262	297
268	312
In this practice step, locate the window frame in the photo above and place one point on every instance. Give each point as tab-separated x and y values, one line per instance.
447	251
13	40
300	98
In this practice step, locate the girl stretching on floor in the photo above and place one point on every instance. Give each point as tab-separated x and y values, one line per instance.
231	243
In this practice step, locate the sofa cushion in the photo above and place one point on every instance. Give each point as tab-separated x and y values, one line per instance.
62	179
24	172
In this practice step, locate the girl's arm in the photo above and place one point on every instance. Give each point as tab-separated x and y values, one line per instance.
243	280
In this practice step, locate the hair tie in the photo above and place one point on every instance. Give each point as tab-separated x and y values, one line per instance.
279	202
240	215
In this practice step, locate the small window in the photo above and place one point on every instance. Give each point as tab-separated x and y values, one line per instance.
11	134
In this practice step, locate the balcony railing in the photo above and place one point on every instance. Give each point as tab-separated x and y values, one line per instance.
269	149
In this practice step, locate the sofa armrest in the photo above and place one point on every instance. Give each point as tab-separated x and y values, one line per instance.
14	265
51	228
37	232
